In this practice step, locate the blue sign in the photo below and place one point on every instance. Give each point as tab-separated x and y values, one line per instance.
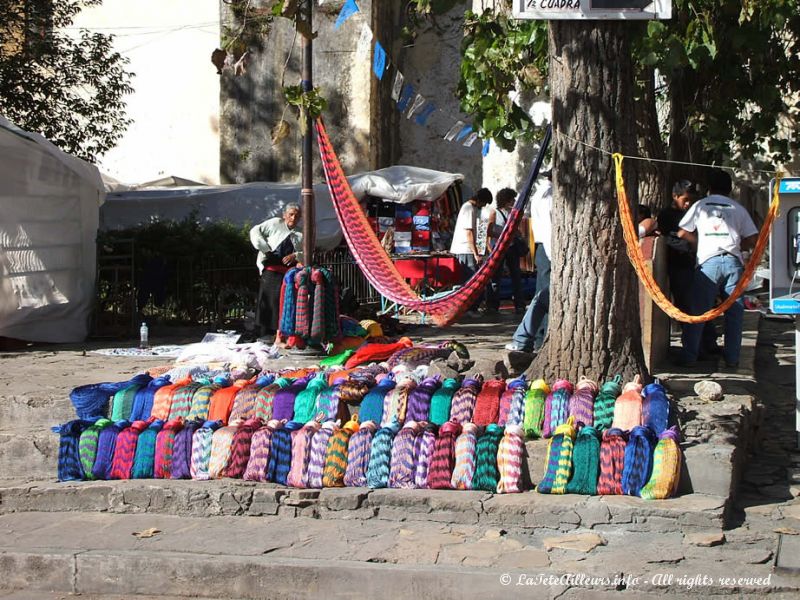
790	186
785	306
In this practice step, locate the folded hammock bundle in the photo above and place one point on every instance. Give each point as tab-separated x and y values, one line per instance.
240	448
222	401
337	454
106	443
487	474
201	449
181	451
655	407
376	264
143	401
442	400
301	448
91	401
380	458
585	462
466	447
401	463
510	454
310	305
305	403
69	460
419	399
396	401
259	453
165	444
372	405
424	355
507	398
122	401
638	460
318	452
87	446
182	400
464	399
358	452
487	404
443	459
202	399
280	456
244	405
145	457
628	407
604	403
556	408
535	406
266	397
423	452
666	474
559	460
612	462
581	403
125	450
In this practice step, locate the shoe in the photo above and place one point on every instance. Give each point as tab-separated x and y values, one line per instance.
515	347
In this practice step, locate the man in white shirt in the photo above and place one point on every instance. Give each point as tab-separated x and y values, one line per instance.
279	244
465	234
720	229
530	333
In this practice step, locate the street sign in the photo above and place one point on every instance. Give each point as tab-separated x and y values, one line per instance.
592	9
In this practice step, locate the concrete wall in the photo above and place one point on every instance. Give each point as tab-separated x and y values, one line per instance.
175	106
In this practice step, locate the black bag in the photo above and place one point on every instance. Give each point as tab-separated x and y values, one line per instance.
519	247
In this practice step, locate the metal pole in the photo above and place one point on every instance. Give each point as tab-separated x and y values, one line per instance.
797	378
307	170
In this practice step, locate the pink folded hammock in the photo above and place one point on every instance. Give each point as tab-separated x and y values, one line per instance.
377	265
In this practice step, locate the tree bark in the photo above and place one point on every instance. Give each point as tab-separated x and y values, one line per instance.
654	190
594	304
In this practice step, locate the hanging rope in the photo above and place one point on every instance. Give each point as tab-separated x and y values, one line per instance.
646	275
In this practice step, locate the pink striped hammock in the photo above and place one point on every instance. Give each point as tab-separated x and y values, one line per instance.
377	265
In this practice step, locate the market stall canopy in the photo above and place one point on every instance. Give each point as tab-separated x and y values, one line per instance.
255	202
403	184
48	225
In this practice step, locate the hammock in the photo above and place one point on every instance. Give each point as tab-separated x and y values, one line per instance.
646	275
377	265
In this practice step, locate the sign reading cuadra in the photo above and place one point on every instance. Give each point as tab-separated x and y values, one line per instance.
592	9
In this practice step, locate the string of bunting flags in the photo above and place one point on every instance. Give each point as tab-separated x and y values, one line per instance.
408	100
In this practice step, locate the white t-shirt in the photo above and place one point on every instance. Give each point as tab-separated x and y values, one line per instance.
541	206
467	220
721	225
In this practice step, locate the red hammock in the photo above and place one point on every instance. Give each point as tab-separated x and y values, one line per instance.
377	265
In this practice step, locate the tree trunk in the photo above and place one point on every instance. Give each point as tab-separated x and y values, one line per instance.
654	190
594	304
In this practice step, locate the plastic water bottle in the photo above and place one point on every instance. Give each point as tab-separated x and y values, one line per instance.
144	336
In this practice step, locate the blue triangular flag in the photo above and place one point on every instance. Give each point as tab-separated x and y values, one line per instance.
379	61
464	133
348	10
405	97
485	149
426	112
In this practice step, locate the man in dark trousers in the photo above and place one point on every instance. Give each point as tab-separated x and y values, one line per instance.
279	244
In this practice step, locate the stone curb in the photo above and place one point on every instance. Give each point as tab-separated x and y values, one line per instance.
525	512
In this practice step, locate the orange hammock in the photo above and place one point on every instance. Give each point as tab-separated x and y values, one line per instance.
377	265
646	275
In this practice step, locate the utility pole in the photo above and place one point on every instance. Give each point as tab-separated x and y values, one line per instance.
307	169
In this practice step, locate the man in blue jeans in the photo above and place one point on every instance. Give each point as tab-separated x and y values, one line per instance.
531	331
721	229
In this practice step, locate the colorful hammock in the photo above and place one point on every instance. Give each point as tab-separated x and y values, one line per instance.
377	265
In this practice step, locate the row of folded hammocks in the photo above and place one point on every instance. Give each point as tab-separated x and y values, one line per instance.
312	455
583	460
382	397
310	305
418	455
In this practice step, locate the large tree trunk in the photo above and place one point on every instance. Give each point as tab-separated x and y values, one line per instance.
594	304
654	190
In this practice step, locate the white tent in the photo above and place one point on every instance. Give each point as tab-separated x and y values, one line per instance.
48	225
255	202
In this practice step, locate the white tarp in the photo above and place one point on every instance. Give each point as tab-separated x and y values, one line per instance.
48	225
403	184
255	202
